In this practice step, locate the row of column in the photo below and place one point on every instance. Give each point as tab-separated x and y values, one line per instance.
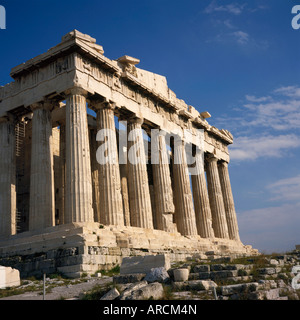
211	215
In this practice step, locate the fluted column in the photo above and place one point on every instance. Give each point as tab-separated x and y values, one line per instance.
162	182
139	194
201	200
228	201
125	195
111	207
216	199
95	174
62	154
7	178
42	205
184	209
79	196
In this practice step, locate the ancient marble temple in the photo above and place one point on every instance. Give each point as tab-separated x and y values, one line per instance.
63	210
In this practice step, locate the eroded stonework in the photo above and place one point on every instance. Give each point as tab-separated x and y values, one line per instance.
62	210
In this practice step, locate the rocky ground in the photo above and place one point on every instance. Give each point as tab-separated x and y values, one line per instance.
249	278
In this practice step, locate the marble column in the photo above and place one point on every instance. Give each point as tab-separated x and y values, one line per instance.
7	177
184	209
201	200
228	201
111	206
165	208
216	199
95	174
62	155
42	202
139	194
79	196
125	194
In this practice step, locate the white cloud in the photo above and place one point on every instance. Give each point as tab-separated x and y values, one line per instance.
286	189
271	229
232	8
241	37
279	111
252	148
255	99
290	91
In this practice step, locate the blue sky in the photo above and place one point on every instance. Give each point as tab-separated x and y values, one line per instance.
239	60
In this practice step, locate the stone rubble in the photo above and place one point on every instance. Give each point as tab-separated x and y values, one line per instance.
247	280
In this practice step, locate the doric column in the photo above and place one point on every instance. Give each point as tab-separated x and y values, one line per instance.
95	174
184	209
7	178
228	201
79	196
162	182
201	200
42	205
139	194
216	199
62	155
111	209
125	195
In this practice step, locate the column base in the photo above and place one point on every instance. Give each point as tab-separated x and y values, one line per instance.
77	248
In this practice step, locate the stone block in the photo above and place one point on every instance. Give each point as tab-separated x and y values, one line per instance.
129	278
266	271
143	264
204	275
217	267
135	286
181	274
9	277
274	262
153	291
223	260
194	276
214	275
201	268
238	288
111	295
197	285
272	294
157	275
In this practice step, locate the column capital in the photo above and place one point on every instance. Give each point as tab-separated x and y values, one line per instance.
98	104
4	119
211	158
223	163
76	91
158	131
46	104
135	119
8	118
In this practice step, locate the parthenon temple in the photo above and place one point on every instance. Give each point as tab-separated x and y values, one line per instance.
63	210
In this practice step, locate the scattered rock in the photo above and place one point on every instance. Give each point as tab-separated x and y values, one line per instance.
195	285
201	268
153	291
111	295
274	262
266	271
9	277
135	286
157	275
129	278
239	288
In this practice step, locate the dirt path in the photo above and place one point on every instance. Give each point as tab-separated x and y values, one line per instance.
65	292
